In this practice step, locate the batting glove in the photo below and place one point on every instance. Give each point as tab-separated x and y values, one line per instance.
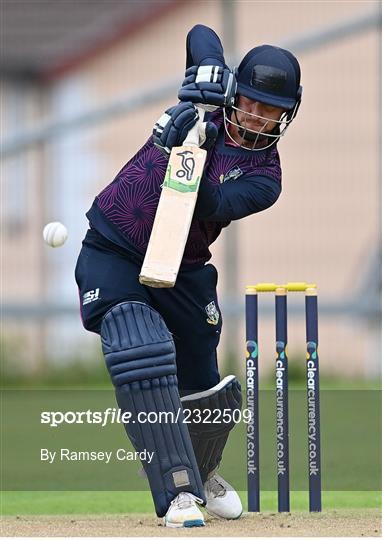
211	86
173	126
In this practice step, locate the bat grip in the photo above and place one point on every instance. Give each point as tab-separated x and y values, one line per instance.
192	138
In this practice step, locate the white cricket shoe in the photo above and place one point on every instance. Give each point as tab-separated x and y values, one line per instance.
183	512
222	499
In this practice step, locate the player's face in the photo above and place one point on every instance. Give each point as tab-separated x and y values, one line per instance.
264	116
254	116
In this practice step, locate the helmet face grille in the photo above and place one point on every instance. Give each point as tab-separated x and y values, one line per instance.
257	140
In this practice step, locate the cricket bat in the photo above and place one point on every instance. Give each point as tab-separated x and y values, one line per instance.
174	213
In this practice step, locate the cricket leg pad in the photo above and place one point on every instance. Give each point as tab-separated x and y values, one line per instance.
140	356
209	438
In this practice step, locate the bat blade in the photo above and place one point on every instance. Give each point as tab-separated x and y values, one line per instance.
173	216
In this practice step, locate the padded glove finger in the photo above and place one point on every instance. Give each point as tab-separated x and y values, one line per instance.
208	133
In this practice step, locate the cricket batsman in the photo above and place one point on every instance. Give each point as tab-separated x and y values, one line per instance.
160	344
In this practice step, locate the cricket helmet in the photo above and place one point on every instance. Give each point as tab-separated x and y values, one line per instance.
269	75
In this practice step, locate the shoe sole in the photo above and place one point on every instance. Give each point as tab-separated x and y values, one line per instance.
186	524
222	517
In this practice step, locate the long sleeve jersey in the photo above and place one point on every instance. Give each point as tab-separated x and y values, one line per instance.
236	182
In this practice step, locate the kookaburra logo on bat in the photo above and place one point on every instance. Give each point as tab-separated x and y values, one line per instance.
188	165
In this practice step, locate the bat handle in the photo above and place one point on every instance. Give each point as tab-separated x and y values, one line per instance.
192	138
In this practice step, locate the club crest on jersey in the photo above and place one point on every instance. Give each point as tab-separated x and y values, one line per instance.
231	175
213	313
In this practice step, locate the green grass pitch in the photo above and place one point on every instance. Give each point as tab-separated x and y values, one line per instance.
116	502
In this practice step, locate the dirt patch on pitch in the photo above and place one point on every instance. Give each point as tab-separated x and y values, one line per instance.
340	523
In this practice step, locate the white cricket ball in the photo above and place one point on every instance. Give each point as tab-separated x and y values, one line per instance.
55	234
